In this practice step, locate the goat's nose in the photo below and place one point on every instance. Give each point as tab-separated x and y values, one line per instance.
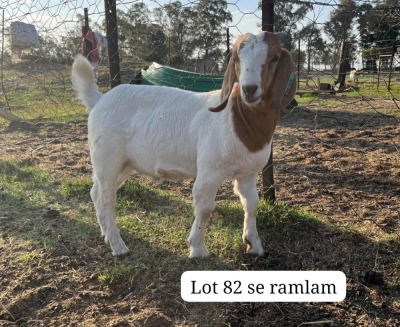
249	90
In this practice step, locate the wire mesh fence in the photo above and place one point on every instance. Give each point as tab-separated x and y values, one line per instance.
190	35
340	113
336	155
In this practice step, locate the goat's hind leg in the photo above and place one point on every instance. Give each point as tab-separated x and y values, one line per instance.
246	188
104	195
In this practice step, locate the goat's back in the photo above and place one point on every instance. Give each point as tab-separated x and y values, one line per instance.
158	129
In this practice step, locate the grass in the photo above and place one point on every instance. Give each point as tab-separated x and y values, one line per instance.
49	233
152	221
119	270
31	94
365	90
32	197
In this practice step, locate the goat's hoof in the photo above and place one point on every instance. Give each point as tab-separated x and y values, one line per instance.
121	253
255	249
200	252
254	252
120	249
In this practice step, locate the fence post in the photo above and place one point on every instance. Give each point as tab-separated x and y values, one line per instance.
86	14
267	24
86	44
298	64
112	42
343	65
227	41
391	64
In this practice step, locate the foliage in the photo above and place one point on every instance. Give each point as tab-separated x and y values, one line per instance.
379	25
174	33
139	37
210	20
314	42
339	28
176	19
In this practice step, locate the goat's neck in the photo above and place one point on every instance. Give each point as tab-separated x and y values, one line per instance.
254	125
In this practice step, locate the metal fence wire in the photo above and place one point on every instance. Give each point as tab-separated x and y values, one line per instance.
346	54
336	165
190	35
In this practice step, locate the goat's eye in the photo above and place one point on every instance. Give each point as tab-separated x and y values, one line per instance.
275	59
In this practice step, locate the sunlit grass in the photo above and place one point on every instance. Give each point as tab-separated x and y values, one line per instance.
33	95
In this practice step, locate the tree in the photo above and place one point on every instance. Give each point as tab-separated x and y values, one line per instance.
379	28
339	28
325	57
311	34
379	25
156	45
299	57
62	49
209	24
139	36
177	21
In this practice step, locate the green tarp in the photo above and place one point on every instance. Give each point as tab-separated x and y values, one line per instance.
162	75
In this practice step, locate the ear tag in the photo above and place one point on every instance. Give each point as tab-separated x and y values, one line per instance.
289	83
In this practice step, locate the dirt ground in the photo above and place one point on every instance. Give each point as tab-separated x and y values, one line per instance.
342	164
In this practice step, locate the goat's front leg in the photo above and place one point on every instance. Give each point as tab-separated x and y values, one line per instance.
204	192
246	188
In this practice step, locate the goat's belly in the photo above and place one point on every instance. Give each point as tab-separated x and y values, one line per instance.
164	171
163	168
173	172
164	154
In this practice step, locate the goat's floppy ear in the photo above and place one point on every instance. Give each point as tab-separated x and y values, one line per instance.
227	85
283	86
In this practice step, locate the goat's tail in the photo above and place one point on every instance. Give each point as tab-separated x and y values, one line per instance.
84	83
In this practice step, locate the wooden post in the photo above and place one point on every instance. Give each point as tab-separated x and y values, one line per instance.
391	64
298	64
87	45
267	15
343	64
227	41
85	10
112	42
267	18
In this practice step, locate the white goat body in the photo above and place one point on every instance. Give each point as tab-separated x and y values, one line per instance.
354	76
175	134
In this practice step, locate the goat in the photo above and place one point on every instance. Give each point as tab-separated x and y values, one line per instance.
175	134
353	75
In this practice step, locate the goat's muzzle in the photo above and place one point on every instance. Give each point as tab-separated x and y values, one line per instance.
251	93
